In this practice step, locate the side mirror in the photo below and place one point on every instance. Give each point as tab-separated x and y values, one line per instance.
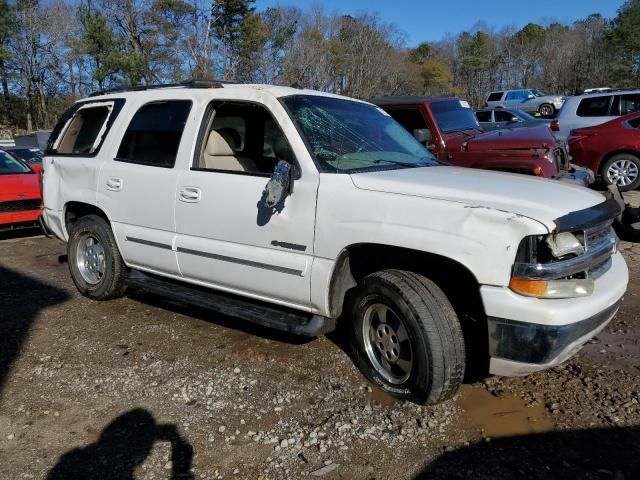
530	96
278	186
423	135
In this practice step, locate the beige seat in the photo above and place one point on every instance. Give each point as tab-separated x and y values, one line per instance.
220	153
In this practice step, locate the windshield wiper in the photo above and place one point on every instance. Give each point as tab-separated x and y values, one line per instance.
402	164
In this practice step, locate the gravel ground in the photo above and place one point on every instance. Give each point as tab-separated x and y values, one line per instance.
145	388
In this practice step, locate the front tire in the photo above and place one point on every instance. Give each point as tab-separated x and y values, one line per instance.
95	263
623	169
547	110
405	337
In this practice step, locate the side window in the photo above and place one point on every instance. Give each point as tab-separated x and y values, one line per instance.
410	118
495	97
484	117
515	95
241	137
502	116
594	107
83	132
153	136
634	123
629	103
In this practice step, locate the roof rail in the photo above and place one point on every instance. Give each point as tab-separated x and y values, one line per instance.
186	84
611	90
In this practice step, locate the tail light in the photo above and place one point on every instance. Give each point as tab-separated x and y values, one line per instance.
554	126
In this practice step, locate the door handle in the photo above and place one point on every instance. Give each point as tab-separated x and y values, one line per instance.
114	184
190	194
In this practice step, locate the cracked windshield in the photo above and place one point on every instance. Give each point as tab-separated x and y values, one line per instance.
350	137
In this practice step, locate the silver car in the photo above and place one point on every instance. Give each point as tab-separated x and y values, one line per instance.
500	118
531	100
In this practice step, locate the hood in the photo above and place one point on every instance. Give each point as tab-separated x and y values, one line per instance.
533	197
524	138
22	186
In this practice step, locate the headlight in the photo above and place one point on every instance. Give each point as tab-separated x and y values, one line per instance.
563	244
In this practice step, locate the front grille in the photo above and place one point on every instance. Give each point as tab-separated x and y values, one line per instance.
20	205
598	234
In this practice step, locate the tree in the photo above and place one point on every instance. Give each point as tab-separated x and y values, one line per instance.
626	39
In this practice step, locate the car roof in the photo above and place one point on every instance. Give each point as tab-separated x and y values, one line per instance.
409	100
207	91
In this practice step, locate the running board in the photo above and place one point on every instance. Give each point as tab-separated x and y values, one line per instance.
262	313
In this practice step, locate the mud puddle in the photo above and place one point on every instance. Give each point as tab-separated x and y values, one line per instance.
502	416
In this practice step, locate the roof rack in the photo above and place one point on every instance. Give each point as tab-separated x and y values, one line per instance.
185	84
610	90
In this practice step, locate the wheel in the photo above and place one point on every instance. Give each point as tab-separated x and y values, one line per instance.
405	337
623	169
547	110
97	269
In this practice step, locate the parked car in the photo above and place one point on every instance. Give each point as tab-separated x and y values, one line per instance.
450	130
595	109
611	149
303	211
30	155
531	100
501	118
19	193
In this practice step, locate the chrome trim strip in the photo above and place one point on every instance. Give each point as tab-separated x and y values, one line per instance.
565	268
240	261
149	243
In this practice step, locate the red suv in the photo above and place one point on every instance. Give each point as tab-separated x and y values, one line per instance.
611	149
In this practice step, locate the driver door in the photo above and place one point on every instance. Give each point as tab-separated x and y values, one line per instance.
226	238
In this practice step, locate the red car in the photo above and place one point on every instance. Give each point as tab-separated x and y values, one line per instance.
611	149
20	199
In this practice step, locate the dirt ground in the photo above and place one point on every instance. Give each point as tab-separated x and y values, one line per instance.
149	389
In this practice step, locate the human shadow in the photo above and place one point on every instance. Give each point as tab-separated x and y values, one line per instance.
592	454
123	445
21	299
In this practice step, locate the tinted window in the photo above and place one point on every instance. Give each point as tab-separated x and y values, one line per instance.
502	116
484	117
454	115
83	130
594	107
29	155
153	136
495	97
9	165
634	123
517	95
411	118
629	103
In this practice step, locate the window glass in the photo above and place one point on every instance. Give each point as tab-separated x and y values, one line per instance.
484	117
503	116
345	136
516	95
153	136
10	165
594	106
83	130
495	97
454	116
634	123
411	118
629	103
243	138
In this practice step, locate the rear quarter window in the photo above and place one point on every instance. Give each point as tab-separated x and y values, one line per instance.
495	97
594	106
483	117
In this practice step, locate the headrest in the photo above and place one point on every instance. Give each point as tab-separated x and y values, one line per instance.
221	143
281	148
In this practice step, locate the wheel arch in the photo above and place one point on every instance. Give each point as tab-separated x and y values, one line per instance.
74	210
612	154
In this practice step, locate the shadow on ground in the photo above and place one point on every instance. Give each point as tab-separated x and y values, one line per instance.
123	445
594	454
20	233
21	299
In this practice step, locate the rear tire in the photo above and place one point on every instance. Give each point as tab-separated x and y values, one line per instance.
95	263
416	352
547	110
623	169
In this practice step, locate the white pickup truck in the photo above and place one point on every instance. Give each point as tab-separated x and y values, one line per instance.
311	212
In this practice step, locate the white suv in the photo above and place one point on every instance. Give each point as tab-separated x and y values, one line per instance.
594	109
307	211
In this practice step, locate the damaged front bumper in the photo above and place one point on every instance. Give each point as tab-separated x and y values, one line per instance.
578	176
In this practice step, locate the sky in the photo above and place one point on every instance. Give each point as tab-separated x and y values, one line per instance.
430	20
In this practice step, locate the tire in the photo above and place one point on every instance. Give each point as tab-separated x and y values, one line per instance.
105	276
546	110
432	336
623	169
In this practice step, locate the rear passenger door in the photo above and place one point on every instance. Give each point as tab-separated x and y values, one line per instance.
137	186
